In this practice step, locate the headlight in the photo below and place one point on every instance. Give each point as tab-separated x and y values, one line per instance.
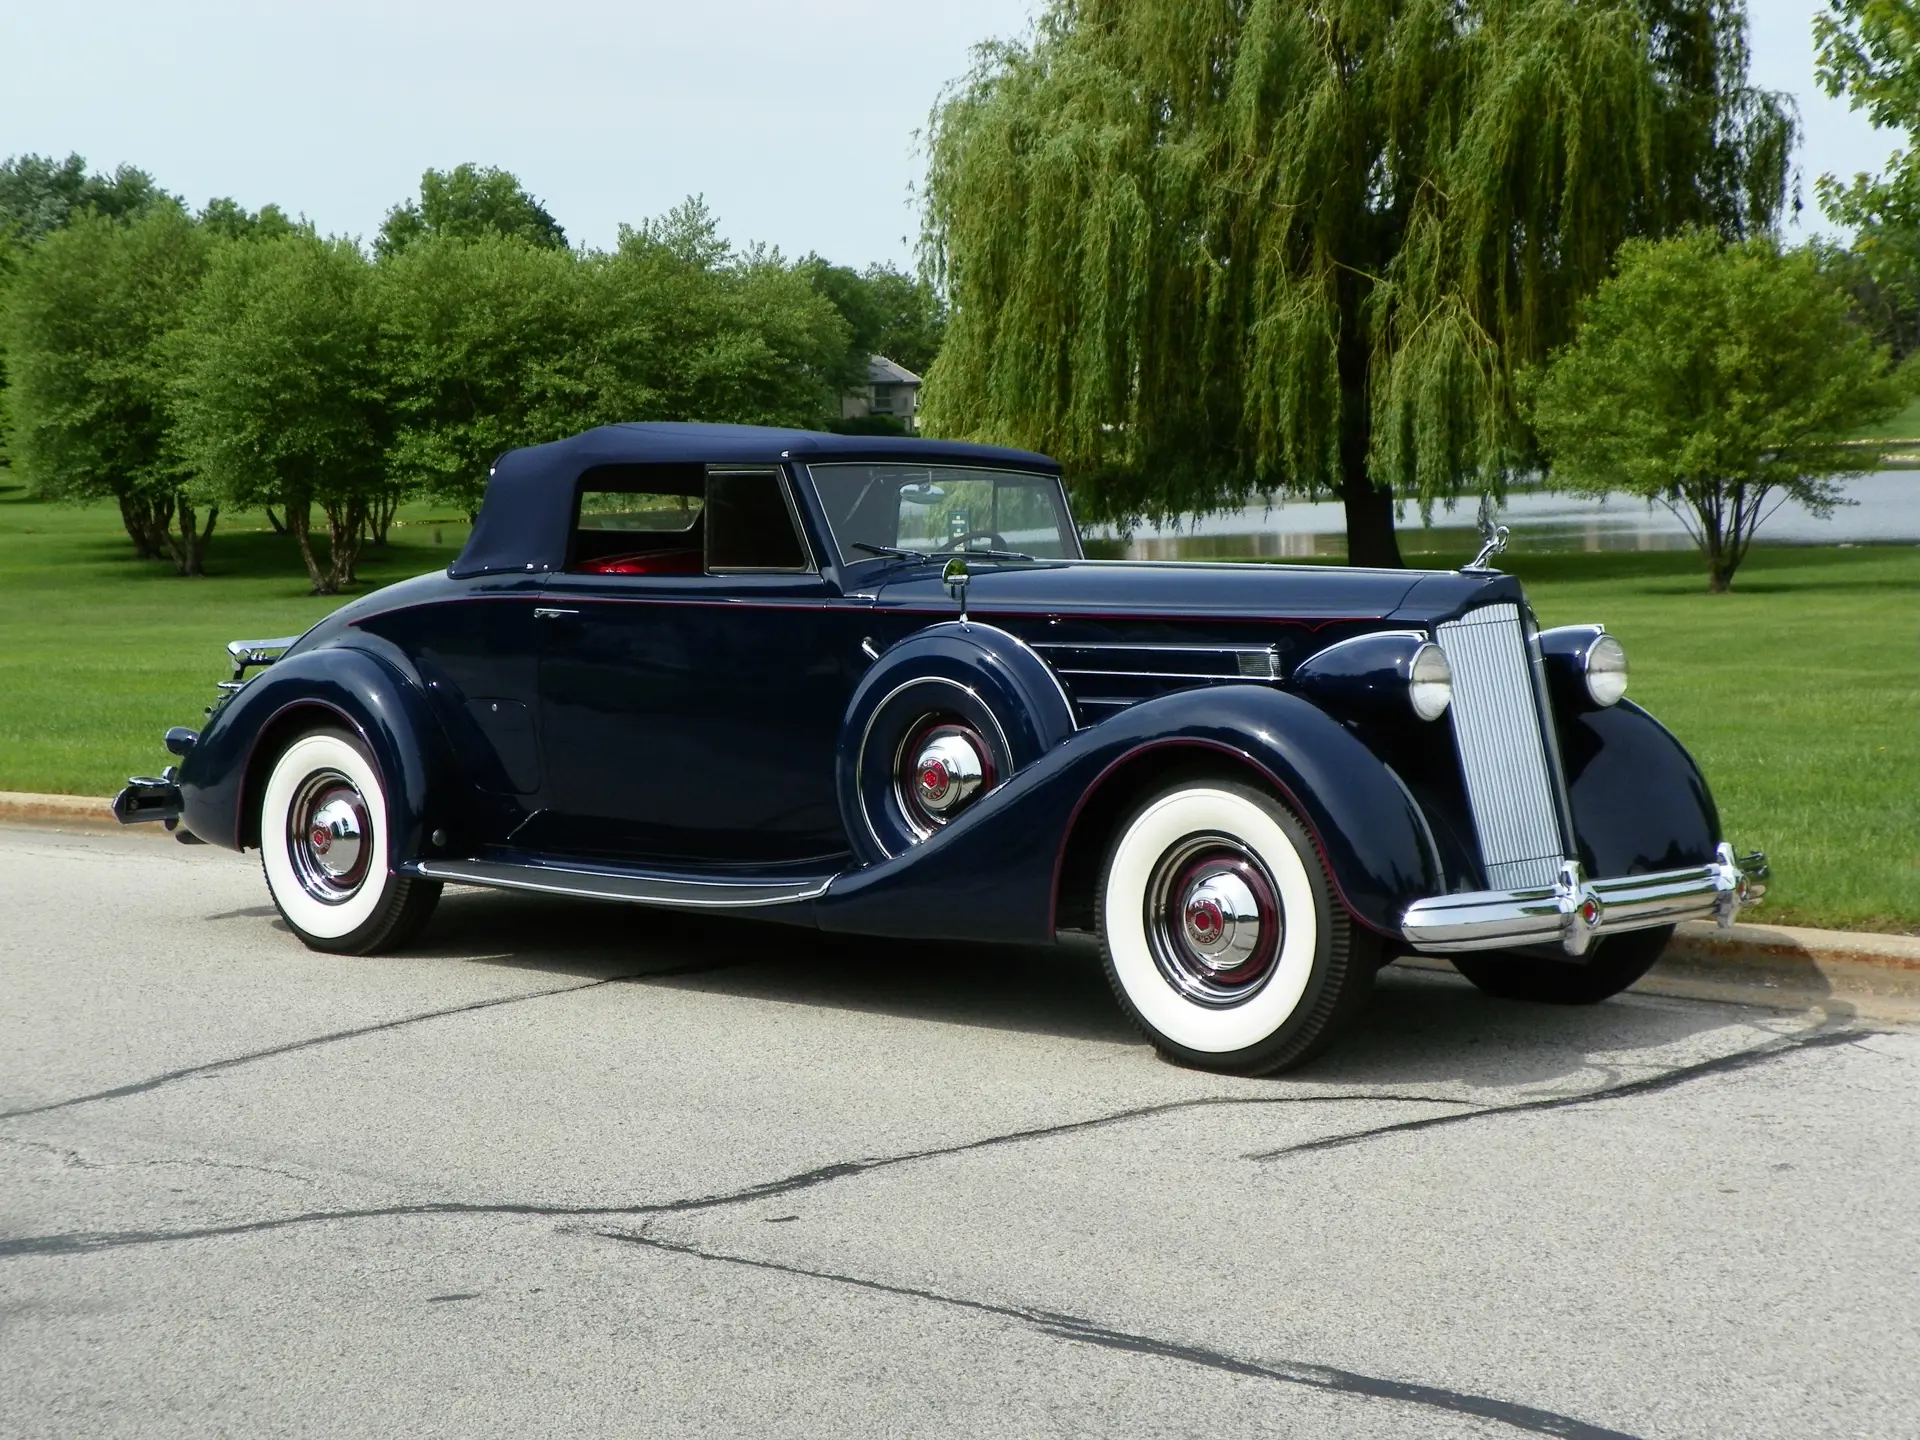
1430	682
1606	670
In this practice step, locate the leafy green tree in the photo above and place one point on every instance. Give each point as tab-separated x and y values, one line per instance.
279	395
711	333
1869	53
39	194
1205	252
465	203
1718	380
231	220
37	197
86	328
488	345
887	312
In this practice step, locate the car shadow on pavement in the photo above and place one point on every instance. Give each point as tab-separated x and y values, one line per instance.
1420	1026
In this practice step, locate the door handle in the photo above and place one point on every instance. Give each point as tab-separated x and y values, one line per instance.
542	612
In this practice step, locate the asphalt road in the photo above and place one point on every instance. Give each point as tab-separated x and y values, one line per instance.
571	1170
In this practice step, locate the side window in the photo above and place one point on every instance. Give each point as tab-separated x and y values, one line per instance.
750	524
640	520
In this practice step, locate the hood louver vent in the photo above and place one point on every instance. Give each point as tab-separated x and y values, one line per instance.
1105	678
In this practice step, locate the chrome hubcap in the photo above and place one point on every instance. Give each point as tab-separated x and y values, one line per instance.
943	766
1213	920
329	837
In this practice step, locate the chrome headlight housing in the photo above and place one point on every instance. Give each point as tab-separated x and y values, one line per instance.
1606	670
1430	682
1587	666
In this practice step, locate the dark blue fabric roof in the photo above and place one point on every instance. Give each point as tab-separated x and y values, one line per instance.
529	502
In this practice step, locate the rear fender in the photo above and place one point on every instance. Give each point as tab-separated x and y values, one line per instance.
995	872
223	776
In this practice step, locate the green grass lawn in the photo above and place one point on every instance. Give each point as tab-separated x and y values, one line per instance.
1799	693
1904	426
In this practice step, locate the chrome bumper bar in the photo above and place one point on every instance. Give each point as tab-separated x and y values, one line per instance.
1574	911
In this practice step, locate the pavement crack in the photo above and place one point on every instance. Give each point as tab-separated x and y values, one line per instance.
214	1067
81	1242
1646	1085
1527	1418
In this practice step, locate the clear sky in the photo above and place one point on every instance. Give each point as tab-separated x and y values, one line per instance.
796	118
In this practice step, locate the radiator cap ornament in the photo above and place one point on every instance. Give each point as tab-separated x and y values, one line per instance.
1493	540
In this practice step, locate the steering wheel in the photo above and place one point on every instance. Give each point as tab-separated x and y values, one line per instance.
960	542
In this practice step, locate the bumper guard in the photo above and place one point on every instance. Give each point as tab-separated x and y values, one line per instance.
1574	911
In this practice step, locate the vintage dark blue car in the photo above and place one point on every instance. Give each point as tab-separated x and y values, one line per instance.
871	685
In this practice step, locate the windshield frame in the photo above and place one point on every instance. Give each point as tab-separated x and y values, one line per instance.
848	557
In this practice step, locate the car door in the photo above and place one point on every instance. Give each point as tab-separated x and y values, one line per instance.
694	669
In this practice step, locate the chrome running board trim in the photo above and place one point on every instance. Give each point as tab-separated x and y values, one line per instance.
1574	911
673	891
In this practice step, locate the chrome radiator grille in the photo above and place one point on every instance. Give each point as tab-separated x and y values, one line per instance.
1511	785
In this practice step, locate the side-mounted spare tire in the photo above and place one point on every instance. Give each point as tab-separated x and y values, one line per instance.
941	720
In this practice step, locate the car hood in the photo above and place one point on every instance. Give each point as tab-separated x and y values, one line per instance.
1220	591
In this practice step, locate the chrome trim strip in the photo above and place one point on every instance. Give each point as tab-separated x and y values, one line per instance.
1573	911
672	891
1172	675
1153	648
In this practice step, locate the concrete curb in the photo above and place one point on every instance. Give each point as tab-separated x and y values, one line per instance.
1777	966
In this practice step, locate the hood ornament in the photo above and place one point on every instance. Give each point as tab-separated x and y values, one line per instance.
1493	540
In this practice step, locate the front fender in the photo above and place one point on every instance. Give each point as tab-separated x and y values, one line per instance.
993	873
336	684
1640	803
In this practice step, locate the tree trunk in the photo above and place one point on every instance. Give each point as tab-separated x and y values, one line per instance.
380	512
190	549
133	515
147	521
274	520
1370	534
346	521
300	523
1370	537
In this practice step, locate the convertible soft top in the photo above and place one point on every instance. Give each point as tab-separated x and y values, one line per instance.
523	521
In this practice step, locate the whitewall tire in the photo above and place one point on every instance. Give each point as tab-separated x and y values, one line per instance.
324	848
1221	934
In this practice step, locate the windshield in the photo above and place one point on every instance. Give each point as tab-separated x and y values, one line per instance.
944	509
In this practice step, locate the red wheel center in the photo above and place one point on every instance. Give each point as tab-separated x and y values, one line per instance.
321	839
934	782
1204	919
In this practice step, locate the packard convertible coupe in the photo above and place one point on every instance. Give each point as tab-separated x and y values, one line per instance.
871	685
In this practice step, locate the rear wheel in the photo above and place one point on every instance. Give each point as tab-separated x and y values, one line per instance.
1614	963
1221	934
323	846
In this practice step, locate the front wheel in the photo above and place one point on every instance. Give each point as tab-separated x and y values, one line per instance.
1614	963
1221	935
323	845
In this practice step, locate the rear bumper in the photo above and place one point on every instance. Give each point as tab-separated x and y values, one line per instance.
1574	911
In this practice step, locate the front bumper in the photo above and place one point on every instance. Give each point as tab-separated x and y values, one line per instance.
1574	911
149	797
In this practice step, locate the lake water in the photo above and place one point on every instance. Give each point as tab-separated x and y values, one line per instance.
1885	509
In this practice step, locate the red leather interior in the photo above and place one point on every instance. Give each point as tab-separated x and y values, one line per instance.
651	562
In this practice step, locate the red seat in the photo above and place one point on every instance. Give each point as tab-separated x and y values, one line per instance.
648	562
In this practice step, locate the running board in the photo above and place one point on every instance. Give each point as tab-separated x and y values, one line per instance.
676	891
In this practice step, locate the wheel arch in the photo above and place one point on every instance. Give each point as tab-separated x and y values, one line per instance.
224	777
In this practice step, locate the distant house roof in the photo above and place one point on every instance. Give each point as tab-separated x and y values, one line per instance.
882	371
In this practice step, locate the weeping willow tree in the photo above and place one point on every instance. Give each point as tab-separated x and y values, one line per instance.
1203	250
